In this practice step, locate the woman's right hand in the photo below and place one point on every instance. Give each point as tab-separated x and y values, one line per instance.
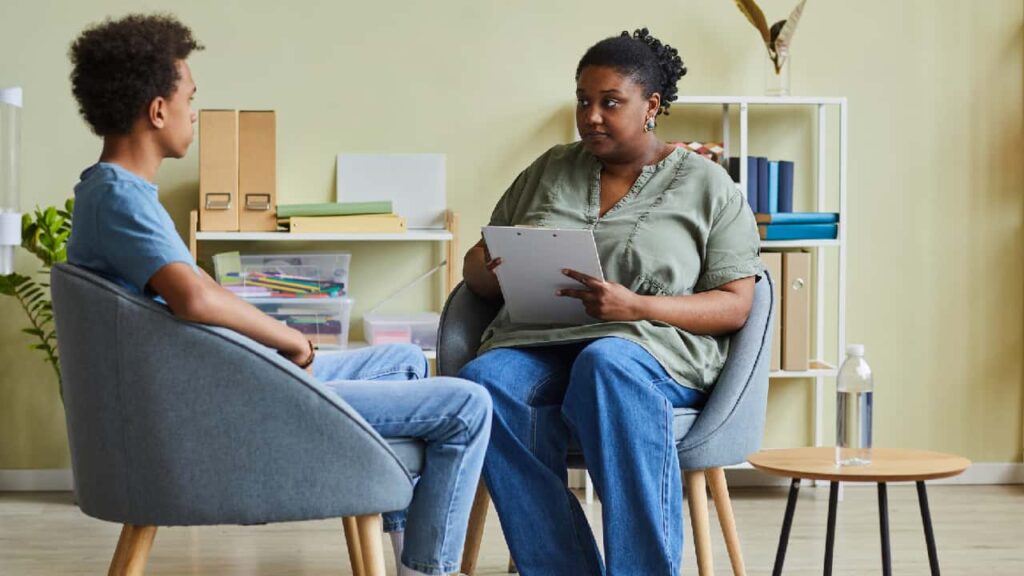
478	272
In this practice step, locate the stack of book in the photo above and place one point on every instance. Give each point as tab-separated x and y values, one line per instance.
769	183
798	225
340	218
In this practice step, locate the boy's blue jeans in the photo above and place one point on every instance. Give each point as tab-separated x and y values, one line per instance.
615	398
387	386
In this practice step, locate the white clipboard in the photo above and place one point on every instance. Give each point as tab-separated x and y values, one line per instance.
530	273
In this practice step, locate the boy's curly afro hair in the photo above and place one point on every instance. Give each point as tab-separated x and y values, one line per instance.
120	66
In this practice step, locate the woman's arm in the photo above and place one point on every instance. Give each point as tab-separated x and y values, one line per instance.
478	272
715	312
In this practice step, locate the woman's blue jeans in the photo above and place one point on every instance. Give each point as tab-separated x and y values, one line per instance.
615	398
387	386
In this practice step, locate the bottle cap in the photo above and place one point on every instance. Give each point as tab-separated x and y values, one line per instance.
855	349
11	96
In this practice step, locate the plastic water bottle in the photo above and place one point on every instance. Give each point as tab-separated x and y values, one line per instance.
854	398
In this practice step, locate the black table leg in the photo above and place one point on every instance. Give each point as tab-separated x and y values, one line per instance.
929	535
830	539
883	518
787	523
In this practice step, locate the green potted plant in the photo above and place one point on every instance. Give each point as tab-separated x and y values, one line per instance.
45	234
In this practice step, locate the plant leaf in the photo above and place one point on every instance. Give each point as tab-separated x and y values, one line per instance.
754	14
789	28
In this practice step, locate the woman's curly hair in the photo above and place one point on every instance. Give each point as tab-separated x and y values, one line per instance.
120	66
650	63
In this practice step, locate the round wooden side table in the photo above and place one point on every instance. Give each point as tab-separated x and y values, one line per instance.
887	465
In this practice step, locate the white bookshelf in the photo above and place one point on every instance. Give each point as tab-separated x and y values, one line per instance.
819	369
410	236
447	235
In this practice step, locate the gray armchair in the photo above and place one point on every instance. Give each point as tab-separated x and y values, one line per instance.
724	432
178	424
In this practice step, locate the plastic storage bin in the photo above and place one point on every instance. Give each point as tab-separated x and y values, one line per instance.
419	329
324	321
310	275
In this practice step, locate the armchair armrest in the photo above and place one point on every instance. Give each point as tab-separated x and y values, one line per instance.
463	321
174	423
731	424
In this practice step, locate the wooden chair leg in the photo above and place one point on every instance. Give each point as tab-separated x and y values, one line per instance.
697	496
371	546
475	530
720	494
355	552
132	550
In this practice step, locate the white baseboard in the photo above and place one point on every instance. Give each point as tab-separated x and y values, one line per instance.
59	479
48	480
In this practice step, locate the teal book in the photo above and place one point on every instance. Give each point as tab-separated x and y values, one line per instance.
773	186
798	218
334	209
798	231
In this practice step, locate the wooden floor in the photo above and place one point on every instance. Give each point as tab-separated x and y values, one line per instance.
979	530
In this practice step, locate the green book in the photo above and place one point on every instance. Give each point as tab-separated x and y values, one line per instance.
334	209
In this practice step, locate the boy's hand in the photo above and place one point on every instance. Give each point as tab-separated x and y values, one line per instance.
302	353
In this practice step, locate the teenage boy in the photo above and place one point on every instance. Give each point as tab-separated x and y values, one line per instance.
134	88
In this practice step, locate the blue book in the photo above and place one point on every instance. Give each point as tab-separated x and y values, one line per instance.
798	218
785	186
752	182
762	184
773	186
798	231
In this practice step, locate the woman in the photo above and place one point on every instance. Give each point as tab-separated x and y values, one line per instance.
679	250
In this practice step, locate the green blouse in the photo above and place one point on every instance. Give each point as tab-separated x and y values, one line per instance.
682	228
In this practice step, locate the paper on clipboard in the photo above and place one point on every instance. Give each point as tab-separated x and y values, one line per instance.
530	273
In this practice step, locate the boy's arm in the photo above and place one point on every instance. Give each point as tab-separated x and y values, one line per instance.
198	298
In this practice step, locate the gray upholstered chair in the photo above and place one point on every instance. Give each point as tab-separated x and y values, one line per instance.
178	424
724	432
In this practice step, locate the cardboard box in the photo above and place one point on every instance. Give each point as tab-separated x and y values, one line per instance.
257	170
218	170
773	263
796	311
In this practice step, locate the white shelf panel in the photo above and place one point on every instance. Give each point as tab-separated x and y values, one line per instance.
412	235
798	243
762	100
817	369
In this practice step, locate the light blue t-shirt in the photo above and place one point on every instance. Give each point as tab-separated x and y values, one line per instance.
120	230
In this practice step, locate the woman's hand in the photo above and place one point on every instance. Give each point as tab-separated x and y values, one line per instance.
478	272
603	300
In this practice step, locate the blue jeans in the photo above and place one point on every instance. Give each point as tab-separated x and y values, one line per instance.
387	386
615	398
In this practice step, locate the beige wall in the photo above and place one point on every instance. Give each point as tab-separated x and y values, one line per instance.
935	92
